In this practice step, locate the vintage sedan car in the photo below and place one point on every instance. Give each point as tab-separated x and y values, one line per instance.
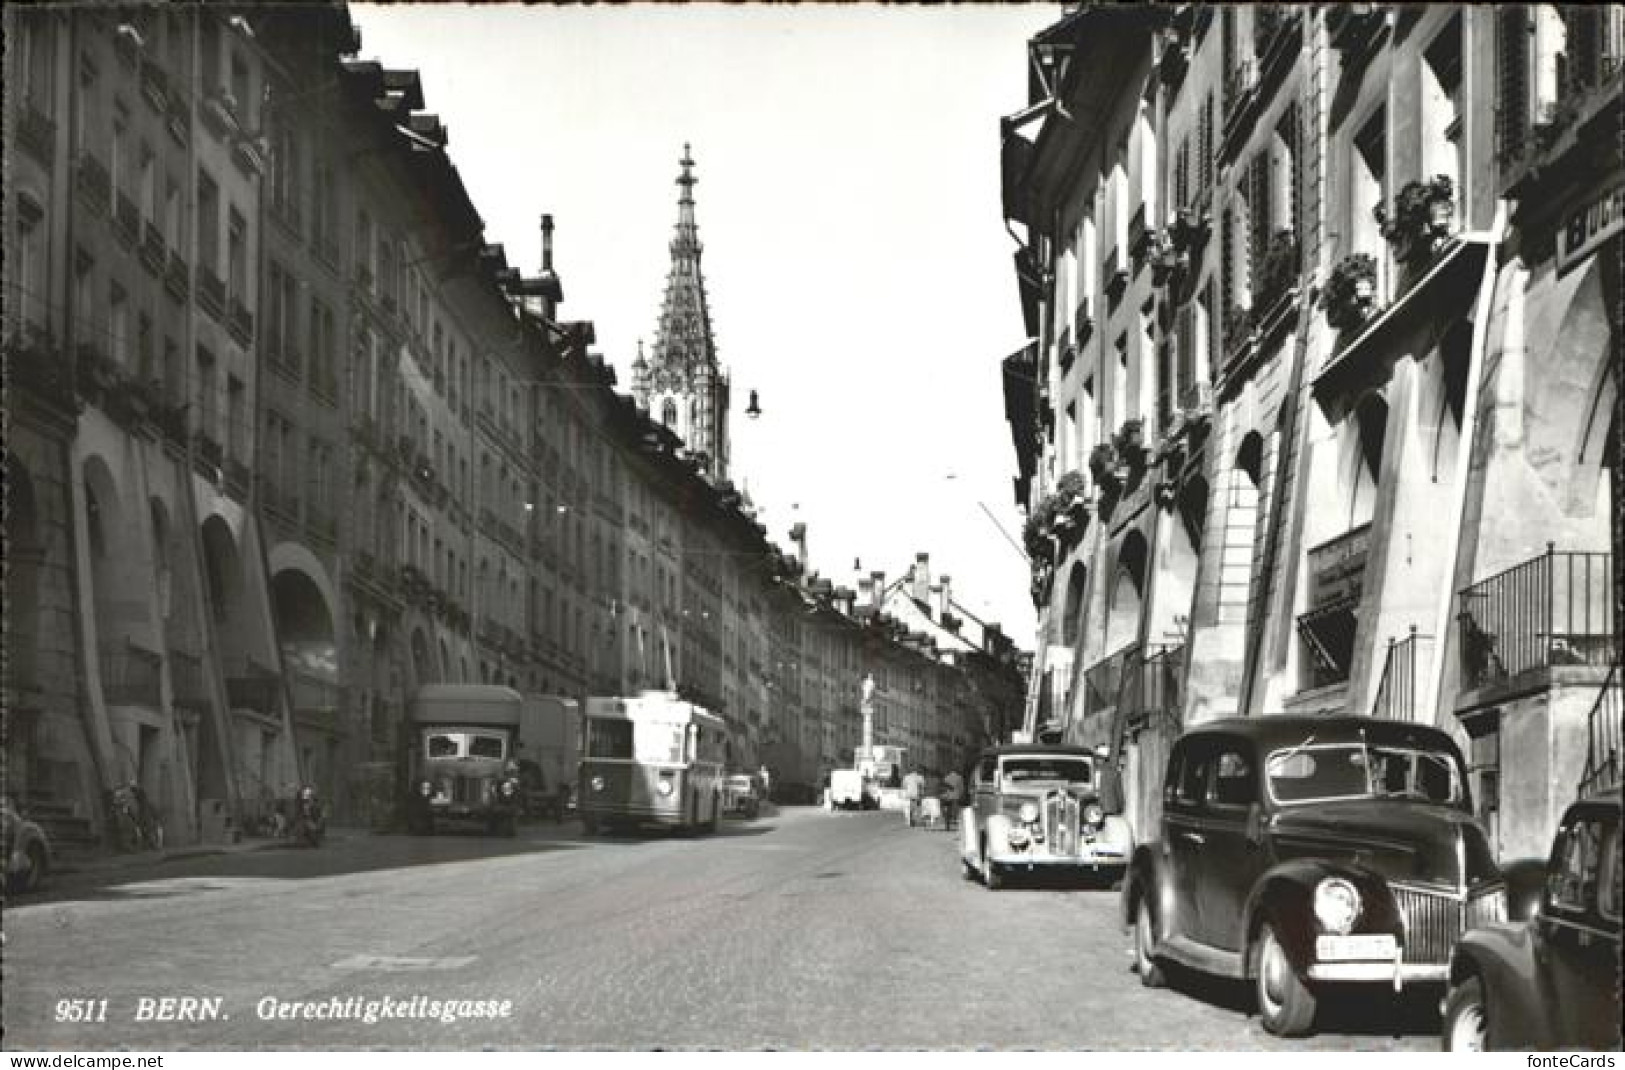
1300	850
740	796
1034	808
1550	983
26	848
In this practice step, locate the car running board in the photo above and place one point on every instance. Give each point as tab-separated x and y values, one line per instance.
1211	960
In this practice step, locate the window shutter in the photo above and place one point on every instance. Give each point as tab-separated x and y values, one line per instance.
1512	70
1292	134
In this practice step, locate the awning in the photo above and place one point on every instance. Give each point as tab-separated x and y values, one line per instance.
1329	630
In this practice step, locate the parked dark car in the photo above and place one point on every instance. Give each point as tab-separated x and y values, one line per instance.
1550	983
1299	850
26	848
1043	808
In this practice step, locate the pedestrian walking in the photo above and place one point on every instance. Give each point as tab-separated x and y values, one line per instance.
913	792
952	787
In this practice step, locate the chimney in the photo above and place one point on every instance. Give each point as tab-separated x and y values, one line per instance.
922	579
945	592
798	535
878	592
547	242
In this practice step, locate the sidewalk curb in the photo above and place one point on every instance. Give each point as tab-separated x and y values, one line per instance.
95	864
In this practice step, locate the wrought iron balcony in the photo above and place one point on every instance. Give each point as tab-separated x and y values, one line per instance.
1402	674
130	677
1551	611
256	691
1152	691
1602	738
1103	681
313	692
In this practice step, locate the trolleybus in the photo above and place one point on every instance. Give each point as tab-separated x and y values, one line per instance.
651	758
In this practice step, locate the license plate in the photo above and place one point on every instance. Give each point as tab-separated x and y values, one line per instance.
1361	946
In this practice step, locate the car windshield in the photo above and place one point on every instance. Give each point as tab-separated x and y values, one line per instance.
466	745
1356	771
1073	770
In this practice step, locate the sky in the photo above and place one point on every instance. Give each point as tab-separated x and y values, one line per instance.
856	262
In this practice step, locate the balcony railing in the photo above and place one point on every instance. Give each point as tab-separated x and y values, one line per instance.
313	692
1103	681
1554	610
1602	738
256	691
1151	694
130	677
1402	673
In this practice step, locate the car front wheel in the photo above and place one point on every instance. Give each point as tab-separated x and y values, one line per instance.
1285	1004
1145	963
1466	1023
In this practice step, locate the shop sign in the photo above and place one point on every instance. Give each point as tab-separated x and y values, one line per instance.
1590	225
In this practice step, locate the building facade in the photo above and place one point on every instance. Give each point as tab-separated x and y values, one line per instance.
289	438
1361	495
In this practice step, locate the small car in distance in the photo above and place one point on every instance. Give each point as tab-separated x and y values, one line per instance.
27	850
739	796
1043	808
1550	983
1300	851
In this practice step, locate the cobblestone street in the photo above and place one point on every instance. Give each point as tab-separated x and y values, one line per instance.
799	930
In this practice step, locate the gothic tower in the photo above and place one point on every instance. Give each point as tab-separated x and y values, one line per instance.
682	385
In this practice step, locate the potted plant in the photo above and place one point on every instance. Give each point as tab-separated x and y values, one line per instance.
1350	296
1422	217
1280	269
1103	465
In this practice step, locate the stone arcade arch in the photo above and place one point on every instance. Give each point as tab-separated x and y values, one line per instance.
1127	594
1241	516
1370	427
1072	617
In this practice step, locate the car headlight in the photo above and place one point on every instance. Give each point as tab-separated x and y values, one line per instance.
664	787
597	783
1093	814
1337	904
507	787
1029	812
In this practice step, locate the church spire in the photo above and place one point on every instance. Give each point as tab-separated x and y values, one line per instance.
685	386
